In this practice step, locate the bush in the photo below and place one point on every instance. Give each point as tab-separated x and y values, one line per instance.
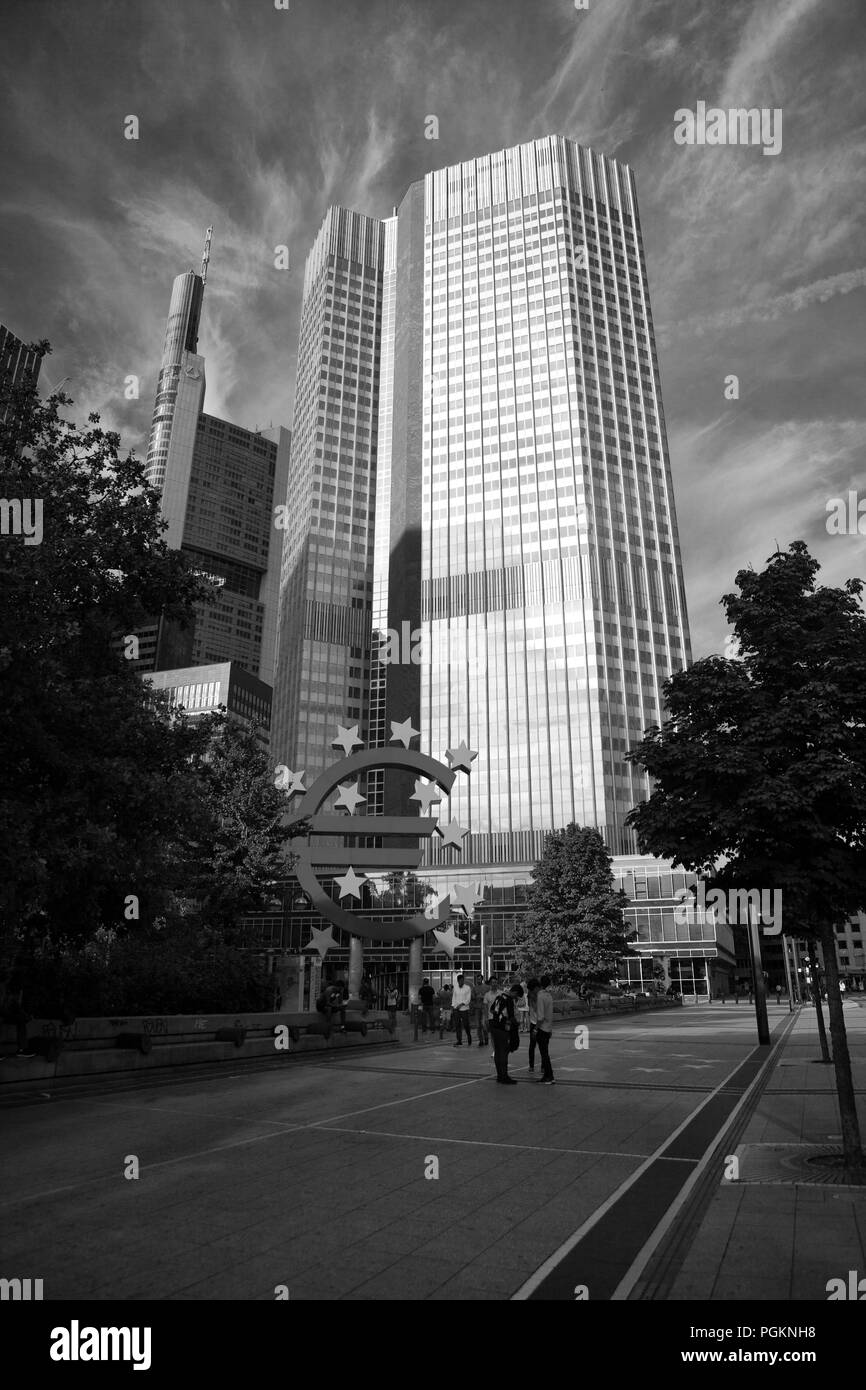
158	974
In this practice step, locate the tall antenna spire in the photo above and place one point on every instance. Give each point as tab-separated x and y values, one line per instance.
206	257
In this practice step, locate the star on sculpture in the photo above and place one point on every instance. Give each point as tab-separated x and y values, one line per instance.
404	732
465	898
427	793
461	757
448	940
350	797
296	782
350	883
452	834
346	739
321	941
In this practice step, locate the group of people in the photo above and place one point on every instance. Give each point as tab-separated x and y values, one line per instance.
494	1013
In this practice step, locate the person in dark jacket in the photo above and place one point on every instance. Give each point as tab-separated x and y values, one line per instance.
427	997
504	1028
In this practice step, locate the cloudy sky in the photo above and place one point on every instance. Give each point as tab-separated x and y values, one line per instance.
256	119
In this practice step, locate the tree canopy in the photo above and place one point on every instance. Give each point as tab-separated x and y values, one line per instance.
759	771
108	793
574	928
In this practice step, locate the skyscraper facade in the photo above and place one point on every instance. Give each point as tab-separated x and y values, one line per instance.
219	485
230	536
326	582
203	688
179	400
19	366
550	558
525	526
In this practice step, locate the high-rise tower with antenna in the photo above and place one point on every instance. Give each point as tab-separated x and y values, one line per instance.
219	484
179	399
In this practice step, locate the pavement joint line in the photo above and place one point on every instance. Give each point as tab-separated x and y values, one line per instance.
607	1083
551	1263
644	1255
238	1143
492	1144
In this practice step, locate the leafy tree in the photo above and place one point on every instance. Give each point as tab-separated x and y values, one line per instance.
239	848
573	929
117	813
760	770
96	774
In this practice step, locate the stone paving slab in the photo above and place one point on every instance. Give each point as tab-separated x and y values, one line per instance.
785	1239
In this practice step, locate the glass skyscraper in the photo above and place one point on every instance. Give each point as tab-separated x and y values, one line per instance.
326	581
525	526
550	577
219	485
178	405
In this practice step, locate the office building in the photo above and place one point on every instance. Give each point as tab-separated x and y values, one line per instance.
203	689
219	487
525	524
326	581
19	366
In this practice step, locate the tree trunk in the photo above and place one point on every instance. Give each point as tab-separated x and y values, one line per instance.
816	990
855	1159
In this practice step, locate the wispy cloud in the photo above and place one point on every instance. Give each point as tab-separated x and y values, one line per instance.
776	307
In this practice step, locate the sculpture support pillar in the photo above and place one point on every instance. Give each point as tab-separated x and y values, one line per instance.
356	965
416	948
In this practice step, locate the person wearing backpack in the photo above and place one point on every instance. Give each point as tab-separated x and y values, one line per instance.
504	1031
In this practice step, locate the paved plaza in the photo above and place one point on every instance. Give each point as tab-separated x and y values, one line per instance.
317	1174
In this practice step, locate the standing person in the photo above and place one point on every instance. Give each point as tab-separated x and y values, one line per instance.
479	1013
427	997
365	993
532	999
504	1030
444	1002
392	999
523	1008
544	1028
489	997
461	1003
778	994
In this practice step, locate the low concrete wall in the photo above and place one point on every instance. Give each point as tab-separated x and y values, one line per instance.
89	1046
